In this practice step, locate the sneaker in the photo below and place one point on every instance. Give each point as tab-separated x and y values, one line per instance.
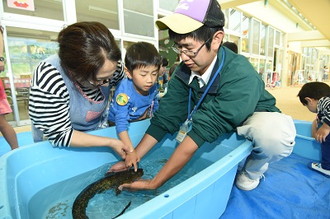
243	182
318	167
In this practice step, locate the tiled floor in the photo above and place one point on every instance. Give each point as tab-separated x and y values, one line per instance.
288	103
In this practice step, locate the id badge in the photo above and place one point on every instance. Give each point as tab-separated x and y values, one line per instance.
184	129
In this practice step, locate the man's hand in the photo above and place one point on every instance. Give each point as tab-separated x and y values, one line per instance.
118	167
142	184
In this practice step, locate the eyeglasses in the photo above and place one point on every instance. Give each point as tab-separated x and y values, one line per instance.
189	53
100	82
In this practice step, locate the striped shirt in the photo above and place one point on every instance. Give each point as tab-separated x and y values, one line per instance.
323	110
49	102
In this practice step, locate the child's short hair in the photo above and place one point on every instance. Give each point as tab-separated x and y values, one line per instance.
142	54
164	62
315	90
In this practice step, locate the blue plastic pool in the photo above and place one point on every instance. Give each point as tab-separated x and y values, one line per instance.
307	146
28	170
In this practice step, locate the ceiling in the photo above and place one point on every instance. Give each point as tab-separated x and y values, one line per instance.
316	12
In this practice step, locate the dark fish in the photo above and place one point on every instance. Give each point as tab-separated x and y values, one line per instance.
123	211
111	181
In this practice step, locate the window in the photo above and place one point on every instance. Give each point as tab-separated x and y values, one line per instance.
245	34
168	5
262	39
51	9
234	20
26	48
255	36
103	11
138	18
270	47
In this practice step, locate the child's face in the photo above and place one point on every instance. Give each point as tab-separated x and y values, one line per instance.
144	78
311	104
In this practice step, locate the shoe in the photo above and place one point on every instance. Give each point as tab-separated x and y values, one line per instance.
318	167
243	182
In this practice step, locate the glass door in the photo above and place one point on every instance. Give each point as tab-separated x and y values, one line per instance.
25	48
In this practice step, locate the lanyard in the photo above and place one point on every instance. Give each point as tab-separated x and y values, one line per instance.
207	88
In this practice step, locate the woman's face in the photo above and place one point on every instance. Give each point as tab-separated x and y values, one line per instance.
105	73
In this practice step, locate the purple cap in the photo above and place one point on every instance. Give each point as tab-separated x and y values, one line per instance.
190	15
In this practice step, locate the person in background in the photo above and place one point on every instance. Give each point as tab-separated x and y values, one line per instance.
162	77
170	72
232	46
222	93
172	69
70	90
316	97
6	129
135	97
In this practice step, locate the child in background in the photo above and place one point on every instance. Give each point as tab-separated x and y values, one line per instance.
6	129
171	71
135	97
316	97
162	76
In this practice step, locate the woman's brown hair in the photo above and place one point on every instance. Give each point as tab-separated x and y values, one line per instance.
83	49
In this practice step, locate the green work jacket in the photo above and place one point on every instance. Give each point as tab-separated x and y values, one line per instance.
236	93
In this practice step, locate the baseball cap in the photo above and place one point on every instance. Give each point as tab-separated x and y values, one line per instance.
190	15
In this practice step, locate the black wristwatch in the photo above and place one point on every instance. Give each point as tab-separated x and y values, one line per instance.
2	59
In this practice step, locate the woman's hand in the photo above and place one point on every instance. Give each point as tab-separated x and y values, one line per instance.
119	147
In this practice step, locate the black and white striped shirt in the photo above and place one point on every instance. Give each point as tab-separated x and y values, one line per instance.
323	110
49	102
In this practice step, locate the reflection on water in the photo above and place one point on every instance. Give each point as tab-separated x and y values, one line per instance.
56	201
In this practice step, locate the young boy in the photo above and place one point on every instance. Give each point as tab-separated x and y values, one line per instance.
316	97
135	96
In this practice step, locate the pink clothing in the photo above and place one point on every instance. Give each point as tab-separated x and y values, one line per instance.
4	105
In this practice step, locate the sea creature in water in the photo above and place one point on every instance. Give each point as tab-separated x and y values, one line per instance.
123	211
111	181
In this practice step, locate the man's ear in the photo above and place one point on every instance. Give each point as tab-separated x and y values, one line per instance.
128	74
217	39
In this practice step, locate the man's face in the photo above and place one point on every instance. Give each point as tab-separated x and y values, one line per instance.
202	58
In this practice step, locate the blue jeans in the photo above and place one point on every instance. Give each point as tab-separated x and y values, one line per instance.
325	150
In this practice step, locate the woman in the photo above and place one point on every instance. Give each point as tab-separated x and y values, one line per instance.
70	91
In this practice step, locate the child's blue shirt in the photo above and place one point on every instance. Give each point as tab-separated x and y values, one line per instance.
128	105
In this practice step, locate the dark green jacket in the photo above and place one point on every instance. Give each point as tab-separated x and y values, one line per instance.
235	94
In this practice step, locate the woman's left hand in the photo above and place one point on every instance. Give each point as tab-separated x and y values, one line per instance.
119	147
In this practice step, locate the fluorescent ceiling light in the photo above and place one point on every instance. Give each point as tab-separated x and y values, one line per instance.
98	9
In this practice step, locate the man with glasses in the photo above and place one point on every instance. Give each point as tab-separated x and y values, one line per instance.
213	91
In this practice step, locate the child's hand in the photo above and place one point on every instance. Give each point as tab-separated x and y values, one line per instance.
322	133
132	159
